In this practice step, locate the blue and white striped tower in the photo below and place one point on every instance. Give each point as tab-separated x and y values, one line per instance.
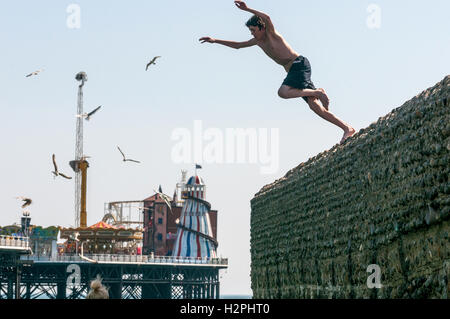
195	237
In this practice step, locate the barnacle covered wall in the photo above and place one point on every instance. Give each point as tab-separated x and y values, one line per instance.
381	198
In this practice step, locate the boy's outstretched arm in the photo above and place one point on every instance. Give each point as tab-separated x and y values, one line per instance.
231	44
269	25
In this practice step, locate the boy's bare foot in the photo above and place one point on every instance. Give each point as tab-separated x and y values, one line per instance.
347	133
323	97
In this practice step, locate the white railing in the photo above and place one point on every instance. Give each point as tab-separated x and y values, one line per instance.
14	241
111	258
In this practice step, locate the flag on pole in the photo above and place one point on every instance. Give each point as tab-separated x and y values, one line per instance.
197	166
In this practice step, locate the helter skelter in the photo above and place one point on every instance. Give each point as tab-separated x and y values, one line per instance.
194	236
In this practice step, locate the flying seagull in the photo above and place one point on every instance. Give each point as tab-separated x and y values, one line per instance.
152	62
55	172
165	198
74	236
92	113
34	73
126	159
27	201
87	116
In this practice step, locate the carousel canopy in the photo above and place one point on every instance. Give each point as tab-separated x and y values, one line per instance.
102	225
101	230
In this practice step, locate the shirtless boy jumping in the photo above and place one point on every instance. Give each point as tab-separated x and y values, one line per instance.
298	80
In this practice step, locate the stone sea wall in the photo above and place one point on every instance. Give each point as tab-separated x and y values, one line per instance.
382	198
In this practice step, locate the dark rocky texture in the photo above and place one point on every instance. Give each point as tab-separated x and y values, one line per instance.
381	198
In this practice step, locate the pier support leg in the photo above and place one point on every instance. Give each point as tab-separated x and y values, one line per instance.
115	291
188	291
28	291
208	290
18	278
150	291
10	292
165	290
61	290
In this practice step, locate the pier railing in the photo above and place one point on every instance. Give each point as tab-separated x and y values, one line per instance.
14	242
122	258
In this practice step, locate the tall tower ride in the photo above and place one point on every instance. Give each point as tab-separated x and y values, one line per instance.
80	165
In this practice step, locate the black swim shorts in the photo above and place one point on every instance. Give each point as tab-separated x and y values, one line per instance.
299	75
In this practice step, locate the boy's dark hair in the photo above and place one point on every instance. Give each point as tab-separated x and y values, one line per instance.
255	21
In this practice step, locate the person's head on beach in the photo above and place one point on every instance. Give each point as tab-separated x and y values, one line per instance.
98	291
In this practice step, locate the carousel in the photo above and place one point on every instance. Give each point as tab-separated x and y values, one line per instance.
101	238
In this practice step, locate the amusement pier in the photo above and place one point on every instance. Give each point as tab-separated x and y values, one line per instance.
157	247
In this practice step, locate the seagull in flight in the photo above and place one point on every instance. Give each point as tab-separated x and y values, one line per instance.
55	172
87	116
152	62
126	159
27	201
34	73
165	198
74	236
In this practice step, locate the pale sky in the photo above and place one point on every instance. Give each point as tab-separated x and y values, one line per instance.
367	71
